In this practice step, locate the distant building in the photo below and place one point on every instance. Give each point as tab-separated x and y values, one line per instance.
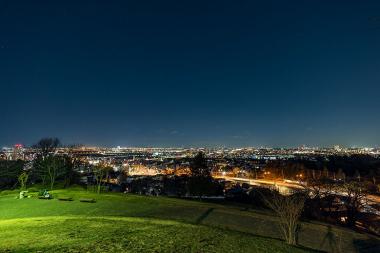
7	153
18	152
337	148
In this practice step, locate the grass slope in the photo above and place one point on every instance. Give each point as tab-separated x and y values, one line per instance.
118	234
130	223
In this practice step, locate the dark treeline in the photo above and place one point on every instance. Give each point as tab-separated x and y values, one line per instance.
9	173
46	169
353	166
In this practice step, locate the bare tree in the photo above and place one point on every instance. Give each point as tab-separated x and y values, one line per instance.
101	173
47	146
47	166
288	209
23	179
356	198
54	168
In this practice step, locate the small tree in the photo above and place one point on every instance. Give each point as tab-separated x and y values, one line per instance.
288	209
54	168
101	173
39	169
49	168
23	179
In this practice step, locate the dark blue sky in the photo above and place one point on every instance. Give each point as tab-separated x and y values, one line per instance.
190	73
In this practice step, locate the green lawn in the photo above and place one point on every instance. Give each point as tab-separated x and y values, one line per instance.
131	223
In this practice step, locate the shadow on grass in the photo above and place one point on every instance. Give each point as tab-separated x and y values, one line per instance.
329	240
204	215
226	228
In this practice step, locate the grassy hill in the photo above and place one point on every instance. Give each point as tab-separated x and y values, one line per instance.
131	223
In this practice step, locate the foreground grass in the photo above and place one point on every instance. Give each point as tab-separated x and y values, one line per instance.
99	234
119	222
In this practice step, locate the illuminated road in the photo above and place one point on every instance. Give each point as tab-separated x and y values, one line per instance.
282	186
262	182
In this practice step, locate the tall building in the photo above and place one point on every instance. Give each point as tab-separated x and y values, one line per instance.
18	152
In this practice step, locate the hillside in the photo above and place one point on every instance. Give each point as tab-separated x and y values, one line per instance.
120	222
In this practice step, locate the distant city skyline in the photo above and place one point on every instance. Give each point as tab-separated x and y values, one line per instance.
68	145
196	73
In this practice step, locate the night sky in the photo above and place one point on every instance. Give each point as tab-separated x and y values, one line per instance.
190	73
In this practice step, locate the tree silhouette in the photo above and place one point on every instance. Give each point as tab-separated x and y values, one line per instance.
101	173
198	166
356	198
47	146
200	182
288	209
